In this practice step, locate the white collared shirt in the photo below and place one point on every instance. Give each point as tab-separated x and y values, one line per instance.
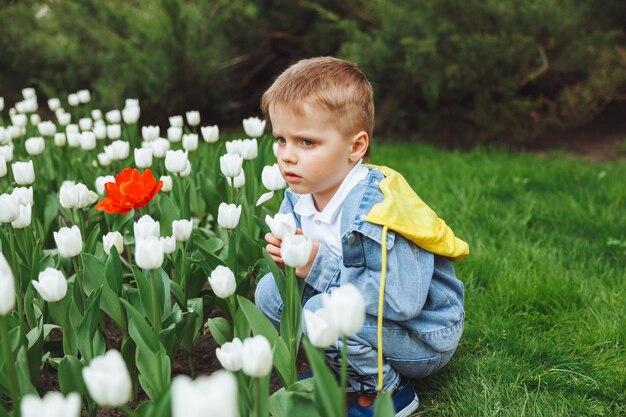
324	226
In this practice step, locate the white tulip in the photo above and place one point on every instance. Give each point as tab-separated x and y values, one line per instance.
114	131
150	133
113	116
101	181
5	136
7	287
35	146
71	128
145	227
282	224
176	161
190	142
87	141
3	166
160	147
193	118
64	118
19	120
118	150
84	96
54	104
253	126
53	404
107	380
249	149
319	328
60	140
167	183
143	157
104	160
229	355
24	218
9	208
187	170
76	195
113	239
149	253
24	195
237	182
210	134
29	93
131	115
96	114
35	119
176	121
234	147
100	130
230	165
73	100
223	282
73	140
214	396
6	151
174	134
169	244
23	172
85	123
131	102
47	128
181	229
347	308
296	250
51	285
69	241
272	178
228	215
257	356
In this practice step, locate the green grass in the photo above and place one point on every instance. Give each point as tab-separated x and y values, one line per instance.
545	283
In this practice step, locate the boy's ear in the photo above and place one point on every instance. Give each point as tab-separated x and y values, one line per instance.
359	144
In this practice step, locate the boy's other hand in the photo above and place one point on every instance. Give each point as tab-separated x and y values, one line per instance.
273	248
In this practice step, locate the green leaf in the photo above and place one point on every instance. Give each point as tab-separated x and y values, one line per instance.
383	407
70	375
145	290
259	323
95	276
90	242
328	395
297	401
113	271
89	326
279	276
220	330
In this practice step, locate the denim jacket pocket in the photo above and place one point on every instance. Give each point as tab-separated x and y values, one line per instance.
445	339
353	253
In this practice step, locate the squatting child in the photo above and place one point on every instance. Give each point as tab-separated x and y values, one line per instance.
322	115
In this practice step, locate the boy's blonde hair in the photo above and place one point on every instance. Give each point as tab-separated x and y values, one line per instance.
335	84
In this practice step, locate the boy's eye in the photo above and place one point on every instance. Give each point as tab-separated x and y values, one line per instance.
307	142
280	140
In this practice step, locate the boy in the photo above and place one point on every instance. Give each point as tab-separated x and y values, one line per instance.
322	113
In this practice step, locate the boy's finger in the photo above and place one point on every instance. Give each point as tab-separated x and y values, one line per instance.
272	250
272	240
278	260
298	231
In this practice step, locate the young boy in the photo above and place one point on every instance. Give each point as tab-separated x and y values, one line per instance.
322	115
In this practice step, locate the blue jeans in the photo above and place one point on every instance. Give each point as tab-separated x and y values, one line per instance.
404	353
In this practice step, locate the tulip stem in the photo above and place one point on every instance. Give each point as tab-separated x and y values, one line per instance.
293	302
257	403
344	371
156	319
18	280
243	388
10	364
126	411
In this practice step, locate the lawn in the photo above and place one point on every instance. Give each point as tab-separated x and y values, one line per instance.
544	283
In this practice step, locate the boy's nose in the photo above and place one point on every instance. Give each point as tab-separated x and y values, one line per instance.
288	154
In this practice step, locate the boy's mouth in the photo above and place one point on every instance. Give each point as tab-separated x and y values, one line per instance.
291	177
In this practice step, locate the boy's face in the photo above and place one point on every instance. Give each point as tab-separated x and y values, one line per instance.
314	156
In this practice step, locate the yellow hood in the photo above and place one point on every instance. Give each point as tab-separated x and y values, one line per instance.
405	213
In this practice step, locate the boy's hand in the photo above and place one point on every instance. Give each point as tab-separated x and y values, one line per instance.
273	248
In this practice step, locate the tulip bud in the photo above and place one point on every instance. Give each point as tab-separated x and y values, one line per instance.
347	308
187	170
257	356
229	355
113	239
176	161
84	96
237	182
35	119
60	140
101	181
117	150
228	215
54	104
35	146
167	183
76	195
174	134
249	149
64	118
149	253
24	195
145	227
143	157
230	165
69	241
104	160
253	126
282	224
182	229
7	287
71	128
176	121
190	142
114	131
24	218
113	116
150	133
107	380
51	285
73	140
272	179
96	114
193	118
234	146
23	172
19	120
160	147
9	208
73	100
100	130
223	282
214	396
296	250
53	404
29	93
131	102
319	328
87	141
169	244
3	167
210	134
6	151
47	128
131	115
85	123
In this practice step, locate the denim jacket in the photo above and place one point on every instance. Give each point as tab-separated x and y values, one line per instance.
422	293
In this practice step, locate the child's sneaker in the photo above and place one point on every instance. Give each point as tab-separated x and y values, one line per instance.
404	400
